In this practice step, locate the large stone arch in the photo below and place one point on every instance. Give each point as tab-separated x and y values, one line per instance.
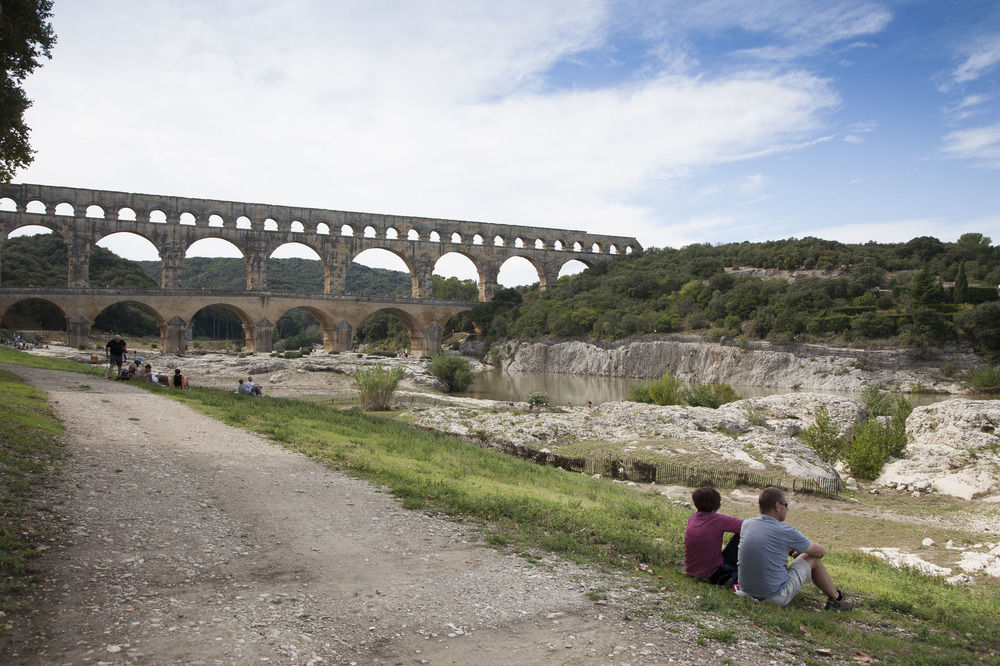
411	268
256	335
8	307
459	250
327	323
543	282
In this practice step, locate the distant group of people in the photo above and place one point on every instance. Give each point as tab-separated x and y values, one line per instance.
755	562
247	387
18	341
117	354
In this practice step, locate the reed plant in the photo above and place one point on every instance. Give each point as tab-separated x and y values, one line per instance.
377	386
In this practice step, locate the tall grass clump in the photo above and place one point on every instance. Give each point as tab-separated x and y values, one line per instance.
824	438
452	370
984	380
377	386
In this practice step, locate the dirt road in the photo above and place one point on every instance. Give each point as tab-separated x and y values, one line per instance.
187	541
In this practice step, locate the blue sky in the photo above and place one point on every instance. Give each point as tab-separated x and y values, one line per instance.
674	122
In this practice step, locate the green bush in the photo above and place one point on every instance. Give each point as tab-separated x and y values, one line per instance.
293	354
824	438
872	445
538	398
639	393
984	380
377	385
452	370
666	390
709	395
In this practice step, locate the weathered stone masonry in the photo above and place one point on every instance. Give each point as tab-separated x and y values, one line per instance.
82	217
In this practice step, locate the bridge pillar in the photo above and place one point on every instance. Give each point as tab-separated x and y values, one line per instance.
423	285
256	268
343	337
428	343
172	336
171	258
263	342
79	332
335	273
78	258
487	290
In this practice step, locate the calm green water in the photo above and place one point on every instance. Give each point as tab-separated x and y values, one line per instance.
578	389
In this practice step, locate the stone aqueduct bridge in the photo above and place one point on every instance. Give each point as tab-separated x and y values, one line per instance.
82	217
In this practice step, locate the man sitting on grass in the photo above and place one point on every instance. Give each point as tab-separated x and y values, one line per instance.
765	546
704	557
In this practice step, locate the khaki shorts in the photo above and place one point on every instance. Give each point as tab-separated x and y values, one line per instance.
798	573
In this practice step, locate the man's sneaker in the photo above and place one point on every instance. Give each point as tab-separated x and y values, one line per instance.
841	603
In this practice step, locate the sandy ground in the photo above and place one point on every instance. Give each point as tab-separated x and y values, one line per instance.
183	540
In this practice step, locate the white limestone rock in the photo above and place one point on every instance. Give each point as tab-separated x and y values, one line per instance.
953	449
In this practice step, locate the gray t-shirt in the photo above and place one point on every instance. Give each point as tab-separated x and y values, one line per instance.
763	555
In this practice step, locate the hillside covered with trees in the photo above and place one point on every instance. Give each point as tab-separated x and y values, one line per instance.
917	293
911	294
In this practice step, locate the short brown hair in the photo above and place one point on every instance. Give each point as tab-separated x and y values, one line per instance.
769	498
706	499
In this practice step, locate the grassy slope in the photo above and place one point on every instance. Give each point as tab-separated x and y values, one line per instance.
29	451
904	617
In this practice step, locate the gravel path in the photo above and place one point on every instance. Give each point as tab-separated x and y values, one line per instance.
184	540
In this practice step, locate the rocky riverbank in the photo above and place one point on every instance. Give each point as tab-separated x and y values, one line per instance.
802	367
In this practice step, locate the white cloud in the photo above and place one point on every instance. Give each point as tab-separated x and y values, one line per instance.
404	109
982	59
981	145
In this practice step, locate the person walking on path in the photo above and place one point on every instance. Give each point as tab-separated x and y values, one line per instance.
766	543
116	351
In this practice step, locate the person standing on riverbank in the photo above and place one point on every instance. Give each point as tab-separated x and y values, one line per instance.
116	351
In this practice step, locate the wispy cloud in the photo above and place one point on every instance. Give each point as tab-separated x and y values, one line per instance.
984	56
980	144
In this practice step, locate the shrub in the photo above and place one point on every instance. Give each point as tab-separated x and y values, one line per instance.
377	385
709	395
666	390
824	438
539	398
984	380
869	449
452	370
639	393
293	354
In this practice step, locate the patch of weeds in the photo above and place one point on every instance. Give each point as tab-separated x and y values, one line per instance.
732	434
134	418
531	558
85	387
595	594
497	541
721	635
304	616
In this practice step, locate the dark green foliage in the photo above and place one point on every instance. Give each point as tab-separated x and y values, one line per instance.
664	391
882	435
709	395
982	325
25	37
824	437
453	370
961	285
382	331
538	398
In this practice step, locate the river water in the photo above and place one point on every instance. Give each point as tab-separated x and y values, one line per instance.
578	389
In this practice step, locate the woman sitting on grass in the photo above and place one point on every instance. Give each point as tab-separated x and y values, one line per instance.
704	557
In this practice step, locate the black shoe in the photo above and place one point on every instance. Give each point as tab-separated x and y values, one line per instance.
841	603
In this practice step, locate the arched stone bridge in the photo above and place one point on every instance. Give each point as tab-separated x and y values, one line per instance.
82	217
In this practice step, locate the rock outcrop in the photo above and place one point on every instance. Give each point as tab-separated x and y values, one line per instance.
953	448
755	434
809	367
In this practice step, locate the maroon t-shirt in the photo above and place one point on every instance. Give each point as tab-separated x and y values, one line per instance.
703	541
